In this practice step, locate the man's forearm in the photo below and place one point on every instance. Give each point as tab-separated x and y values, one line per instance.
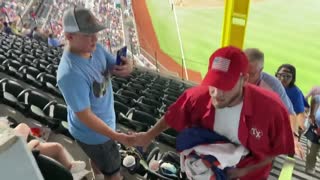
293	123
160	126
93	122
259	165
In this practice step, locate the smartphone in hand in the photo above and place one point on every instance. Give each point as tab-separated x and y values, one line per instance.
121	52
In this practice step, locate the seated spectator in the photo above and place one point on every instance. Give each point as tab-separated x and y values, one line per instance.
286	73
37	35
50	149
266	81
314	148
25	30
263	79
53	41
15	30
7	29
313	92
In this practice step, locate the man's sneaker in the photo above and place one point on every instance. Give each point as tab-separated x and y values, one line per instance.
80	175
77	166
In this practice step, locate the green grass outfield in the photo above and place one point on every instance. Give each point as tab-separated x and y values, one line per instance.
288	31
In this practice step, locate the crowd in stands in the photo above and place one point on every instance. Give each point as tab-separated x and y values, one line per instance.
51	31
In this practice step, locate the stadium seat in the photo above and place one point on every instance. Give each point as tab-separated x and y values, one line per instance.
50	168
123	99
140	81
27	59
56	111
2	58
141	116
5	47
115	87
169	98
52	68
49	82
120	108
120	80
29	75
136	88
163	109
137	120
150	102
154	92
128	93
10	92
168	137
171	92
167	102
155	86
35	103
151	96
153	111
12	68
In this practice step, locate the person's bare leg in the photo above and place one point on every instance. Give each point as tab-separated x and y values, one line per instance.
55	151
95	169
22	130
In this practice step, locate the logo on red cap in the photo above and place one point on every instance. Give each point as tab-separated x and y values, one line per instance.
221	64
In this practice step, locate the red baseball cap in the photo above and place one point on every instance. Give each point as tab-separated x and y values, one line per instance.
226	66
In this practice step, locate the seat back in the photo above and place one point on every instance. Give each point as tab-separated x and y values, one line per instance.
123	99
130	94
120	108
147	109
142	117
34	98
51	169
150	102
57	111
13	87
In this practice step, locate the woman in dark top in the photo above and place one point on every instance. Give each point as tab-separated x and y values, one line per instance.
286	73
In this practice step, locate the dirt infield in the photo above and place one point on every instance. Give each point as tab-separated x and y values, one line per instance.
148	41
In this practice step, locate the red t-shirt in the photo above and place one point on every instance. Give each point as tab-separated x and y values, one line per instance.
264	127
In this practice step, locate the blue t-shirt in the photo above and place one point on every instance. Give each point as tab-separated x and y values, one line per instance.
53	42
296	98
85	83
7	30
277	87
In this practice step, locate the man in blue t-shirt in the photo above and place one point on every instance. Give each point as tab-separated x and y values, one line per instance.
84	79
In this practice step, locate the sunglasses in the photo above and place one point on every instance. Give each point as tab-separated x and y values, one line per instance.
283	76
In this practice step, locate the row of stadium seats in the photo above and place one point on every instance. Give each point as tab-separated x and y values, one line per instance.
34	104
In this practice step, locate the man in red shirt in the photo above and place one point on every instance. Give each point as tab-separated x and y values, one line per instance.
247	115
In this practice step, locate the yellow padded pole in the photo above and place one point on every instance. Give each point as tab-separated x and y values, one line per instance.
235	22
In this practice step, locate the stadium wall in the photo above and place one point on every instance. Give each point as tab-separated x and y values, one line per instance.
149	43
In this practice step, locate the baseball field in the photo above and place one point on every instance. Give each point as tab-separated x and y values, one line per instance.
287	31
